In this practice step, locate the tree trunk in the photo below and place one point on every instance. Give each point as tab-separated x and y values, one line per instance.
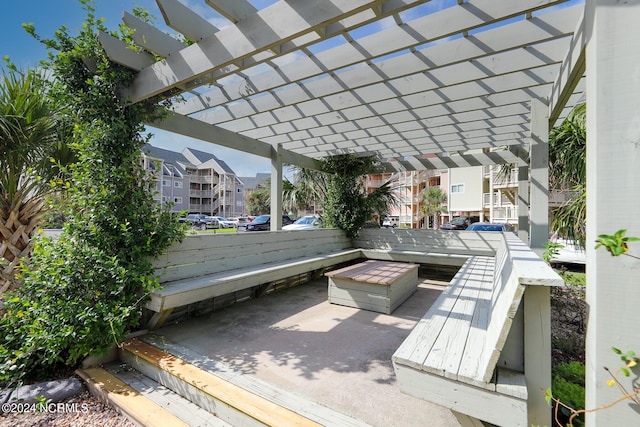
15	232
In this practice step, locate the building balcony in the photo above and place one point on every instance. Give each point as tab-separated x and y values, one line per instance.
202	179
200	207
558	198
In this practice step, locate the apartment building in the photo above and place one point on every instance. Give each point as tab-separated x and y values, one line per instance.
408	187
483	191
195	181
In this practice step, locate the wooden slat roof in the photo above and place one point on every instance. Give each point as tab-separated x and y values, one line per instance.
426	84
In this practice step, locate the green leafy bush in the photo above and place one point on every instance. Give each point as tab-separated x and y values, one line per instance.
348	206
83	291
568	387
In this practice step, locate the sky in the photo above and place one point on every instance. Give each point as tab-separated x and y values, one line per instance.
49	15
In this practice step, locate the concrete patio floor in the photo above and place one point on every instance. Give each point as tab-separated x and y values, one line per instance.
336	356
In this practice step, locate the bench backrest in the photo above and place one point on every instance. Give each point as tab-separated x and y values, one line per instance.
516	266
209	253
432	241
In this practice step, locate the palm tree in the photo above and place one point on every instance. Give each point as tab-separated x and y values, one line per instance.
568	171
29	139
434	200
308	187
339	190
259	201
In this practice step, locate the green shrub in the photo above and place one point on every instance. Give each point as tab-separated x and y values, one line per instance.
568	387
83	291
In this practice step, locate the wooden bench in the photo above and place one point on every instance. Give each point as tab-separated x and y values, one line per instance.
205	266
468	352
373	285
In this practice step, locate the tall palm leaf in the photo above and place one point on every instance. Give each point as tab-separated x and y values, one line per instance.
567	171
383	198
28	135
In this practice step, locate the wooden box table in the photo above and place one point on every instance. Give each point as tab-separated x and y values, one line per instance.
373	285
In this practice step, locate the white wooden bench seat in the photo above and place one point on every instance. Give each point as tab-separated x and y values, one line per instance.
186	291
467	352
207	266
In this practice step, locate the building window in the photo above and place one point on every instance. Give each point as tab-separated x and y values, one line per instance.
457	188
177	200
165	199
166	183
177	184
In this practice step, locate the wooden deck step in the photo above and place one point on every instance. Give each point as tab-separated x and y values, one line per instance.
231	403
127	400
173	402
308	408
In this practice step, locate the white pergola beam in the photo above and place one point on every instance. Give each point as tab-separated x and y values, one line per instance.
233	10
383	102
194	128
353	89
518	34
454	161
150	38
282	21
185	21
572	71
120	53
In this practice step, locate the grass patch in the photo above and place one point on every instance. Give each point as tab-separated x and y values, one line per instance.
219	230
573	278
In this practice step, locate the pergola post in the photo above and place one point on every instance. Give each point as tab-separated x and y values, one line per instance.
537	307
613	201
523	204
539	164
276	188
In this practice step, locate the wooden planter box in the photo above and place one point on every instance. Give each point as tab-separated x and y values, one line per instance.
373	285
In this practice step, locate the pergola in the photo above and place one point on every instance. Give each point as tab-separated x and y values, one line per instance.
425	85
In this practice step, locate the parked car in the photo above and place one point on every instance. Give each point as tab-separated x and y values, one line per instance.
242	222
308	222
569	253
224	223
487	226
460	223
200	221
390	222
235	221
263	223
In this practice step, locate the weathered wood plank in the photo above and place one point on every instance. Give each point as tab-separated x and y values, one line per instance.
428	241
487	405
453	343
416	347
186	291
376	272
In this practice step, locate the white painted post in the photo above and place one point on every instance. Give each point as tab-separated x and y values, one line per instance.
613	201
537	307
276	188
539	165
523	204
537	352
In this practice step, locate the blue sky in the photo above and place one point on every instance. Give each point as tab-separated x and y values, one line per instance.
49	15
